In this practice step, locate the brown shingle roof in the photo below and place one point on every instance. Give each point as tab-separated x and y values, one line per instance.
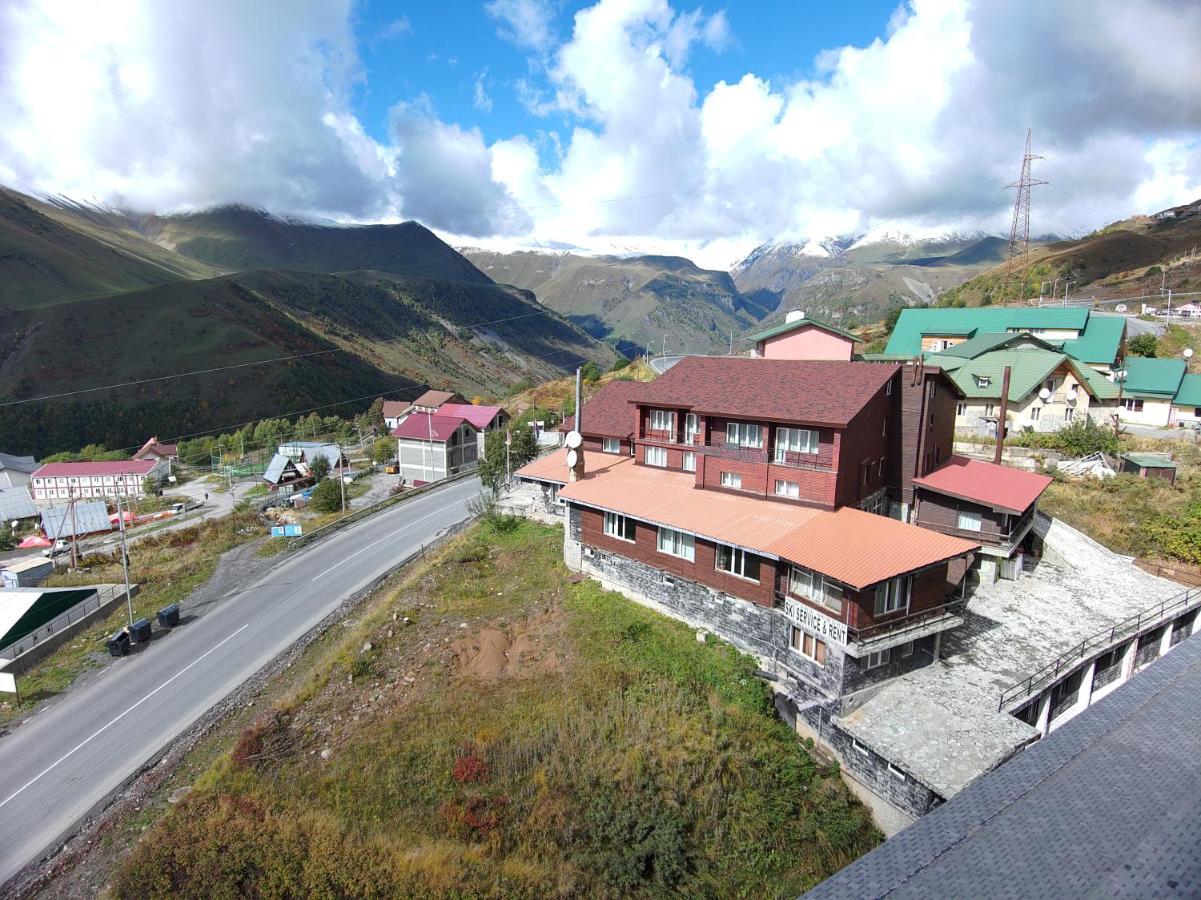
609	413
435	399
819	392
396	408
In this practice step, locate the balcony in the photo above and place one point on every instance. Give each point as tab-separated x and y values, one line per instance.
1004	541
790	459
895	630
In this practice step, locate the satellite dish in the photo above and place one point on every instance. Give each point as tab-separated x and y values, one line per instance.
1187	352
574	440
572	458
1044	395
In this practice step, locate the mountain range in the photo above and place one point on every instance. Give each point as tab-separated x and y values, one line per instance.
93	296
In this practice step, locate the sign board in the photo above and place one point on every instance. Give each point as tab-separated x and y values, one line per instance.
277	530
292	531
816	623
8	683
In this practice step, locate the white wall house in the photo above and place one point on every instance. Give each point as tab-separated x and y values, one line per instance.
432	447
125	478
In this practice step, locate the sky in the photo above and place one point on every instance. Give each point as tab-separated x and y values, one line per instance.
611	126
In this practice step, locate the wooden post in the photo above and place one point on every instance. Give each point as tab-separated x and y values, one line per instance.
1001	419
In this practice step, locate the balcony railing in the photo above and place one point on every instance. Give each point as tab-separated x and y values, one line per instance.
896	626
787	458
984	535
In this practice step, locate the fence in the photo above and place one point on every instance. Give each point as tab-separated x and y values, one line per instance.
1067	661
33	646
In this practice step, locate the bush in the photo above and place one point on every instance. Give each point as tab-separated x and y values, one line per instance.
327	496
590	371
1077	439
1144	345
618	364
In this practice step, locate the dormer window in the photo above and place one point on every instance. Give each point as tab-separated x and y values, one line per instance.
983	381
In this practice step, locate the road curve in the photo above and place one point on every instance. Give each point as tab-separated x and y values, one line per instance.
59	765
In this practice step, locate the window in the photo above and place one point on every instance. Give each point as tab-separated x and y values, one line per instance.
1050	384
907	650
1069	414
677	543
859	748
888	389
668	581
961	409
692	427
896	773
619	527
661	420
815	588
744	434
737	562
610	445
969	520
983	381
808	646
1036	413
788	489
794	440
931	389
731	480
893	594
689	461
880	658
656	456
990	409
1132	404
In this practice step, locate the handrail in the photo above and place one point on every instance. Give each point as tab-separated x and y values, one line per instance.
1130	627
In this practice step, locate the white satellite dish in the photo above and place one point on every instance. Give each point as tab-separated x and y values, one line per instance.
574	440
572	458
1044	395
1187	352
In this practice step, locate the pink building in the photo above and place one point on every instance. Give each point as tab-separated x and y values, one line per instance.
800	337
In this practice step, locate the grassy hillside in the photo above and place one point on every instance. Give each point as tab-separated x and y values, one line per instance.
560	393
391	333
51	254
523	737
633	302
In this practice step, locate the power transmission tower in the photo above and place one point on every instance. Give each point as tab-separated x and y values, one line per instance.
1014	286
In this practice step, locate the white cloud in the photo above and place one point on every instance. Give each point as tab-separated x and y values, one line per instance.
400	27
168	107
527	23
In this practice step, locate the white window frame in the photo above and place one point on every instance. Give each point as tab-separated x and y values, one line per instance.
661	420
692	427
737	559
656	456
744	434
1069	415
860	748
816	588
610	445
807	646
617	526
990	409
893	595
688	461
879	658
1036	413
969	520
795	440
1132	404
732	480
675	543
961	408
897	773
792	489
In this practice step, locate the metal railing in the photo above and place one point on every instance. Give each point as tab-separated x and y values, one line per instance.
786	458
984	534
1091	646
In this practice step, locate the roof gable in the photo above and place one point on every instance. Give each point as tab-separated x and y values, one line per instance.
479	415
427	427
806	322
608	412
1154	377
1099	340
998	487
1189	392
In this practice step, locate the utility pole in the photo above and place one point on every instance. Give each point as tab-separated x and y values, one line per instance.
1019	231
731	341
1003	417
341	480
74	535
124	559
508	444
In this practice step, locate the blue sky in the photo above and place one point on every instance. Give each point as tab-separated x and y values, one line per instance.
610	125
442	49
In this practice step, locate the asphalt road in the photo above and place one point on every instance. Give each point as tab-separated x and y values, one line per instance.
58	766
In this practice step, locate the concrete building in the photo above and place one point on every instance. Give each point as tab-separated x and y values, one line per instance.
800	337
125	478
485	419
1148	390
430	447
1186	404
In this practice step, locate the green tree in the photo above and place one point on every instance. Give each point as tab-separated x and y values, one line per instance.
384	449
1144	345
892	314
150	485
522	449
319	466
327	496
590	371
7	541
620	363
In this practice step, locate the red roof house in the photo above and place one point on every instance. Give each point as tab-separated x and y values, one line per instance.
484	418
156	449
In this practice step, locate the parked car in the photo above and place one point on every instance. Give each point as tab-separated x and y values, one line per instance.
60	546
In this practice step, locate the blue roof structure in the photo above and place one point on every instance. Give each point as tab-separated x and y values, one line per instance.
15	503
1105	806
88	518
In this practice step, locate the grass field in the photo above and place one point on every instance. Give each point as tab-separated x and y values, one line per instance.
488	728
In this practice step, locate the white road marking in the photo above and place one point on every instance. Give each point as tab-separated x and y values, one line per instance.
114	721
375	543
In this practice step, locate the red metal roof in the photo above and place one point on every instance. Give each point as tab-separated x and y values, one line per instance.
856	548
425	427
1000	487
608	413
478	415
553	466
81	469
820	392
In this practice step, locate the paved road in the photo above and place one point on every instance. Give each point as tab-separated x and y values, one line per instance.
55	768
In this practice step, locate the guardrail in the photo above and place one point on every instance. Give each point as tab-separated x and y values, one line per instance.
350	518
1091	646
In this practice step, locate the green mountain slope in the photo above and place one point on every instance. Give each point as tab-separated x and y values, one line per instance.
633	302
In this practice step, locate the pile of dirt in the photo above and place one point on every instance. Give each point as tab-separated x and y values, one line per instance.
521	649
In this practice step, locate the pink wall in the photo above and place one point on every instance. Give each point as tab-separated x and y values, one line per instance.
806	343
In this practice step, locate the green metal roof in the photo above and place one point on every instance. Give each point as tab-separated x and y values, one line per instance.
1153	377
25	610
785	327
985	343
1099	341
1029	368
1146	461
1189	393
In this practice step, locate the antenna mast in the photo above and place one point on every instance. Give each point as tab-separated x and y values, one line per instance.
1014	285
